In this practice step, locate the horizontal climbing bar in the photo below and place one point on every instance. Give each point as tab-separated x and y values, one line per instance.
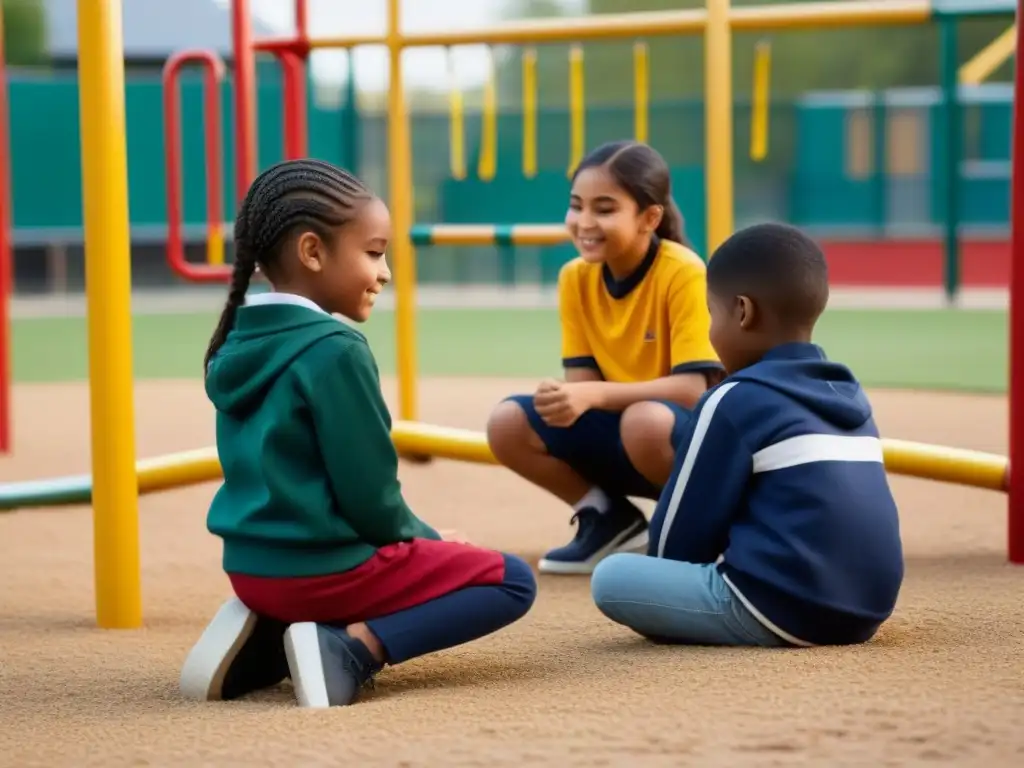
488	234
958	466
645	24
161	473
759	18
931	462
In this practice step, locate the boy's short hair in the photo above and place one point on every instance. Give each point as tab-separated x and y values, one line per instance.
777	266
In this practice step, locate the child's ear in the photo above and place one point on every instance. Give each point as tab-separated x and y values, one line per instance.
652	217
747	311
310	250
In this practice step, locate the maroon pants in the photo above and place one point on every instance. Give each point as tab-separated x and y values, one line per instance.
397	577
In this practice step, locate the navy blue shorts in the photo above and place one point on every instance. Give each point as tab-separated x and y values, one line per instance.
593	447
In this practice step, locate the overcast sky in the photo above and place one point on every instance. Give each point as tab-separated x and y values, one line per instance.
424	67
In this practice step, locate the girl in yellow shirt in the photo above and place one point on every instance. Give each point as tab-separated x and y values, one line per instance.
636	356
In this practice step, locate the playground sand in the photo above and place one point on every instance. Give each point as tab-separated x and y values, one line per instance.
943	683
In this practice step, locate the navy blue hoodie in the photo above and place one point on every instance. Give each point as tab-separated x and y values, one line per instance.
780	479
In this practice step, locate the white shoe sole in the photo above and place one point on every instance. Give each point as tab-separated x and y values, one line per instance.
202	674
302	647
637	543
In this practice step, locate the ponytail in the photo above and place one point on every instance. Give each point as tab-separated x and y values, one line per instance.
241	276
672	226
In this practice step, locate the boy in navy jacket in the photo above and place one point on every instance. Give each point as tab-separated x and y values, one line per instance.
777	527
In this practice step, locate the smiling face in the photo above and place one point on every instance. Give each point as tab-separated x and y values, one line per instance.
604	221
352	268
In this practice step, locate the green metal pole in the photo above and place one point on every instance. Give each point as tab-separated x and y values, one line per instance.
953	155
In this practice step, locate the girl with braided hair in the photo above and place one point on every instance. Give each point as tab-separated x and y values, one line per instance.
334	576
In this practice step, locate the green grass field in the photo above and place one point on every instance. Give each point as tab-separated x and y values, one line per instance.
934	349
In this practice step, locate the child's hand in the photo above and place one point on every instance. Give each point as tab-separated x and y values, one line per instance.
453	536
560	404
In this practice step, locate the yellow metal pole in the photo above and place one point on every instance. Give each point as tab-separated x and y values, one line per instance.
487	163
530	113
400	193
990	58
456	126
577	109
215	244
641	91
718	123
759	113
108	290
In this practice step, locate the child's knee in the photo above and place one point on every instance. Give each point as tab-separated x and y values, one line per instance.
520	583
612	584
646	433
509	429
646	421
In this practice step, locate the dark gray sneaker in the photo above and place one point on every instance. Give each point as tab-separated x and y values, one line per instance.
329	667
238	653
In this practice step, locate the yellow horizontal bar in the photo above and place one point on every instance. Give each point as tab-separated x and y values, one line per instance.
949	465
414	439
902	457
486	234
830	14
443	442
657	24
990	58
539	234
176	470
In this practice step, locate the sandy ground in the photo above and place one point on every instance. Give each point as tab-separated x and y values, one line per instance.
943	683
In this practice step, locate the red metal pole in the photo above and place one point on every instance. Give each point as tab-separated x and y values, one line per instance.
6	257
245	98
293	98
213	70
1015	532
294	94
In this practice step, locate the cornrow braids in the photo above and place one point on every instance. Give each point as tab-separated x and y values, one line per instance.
295	194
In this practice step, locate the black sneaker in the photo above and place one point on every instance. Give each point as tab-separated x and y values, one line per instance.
329	667
238	653
621	528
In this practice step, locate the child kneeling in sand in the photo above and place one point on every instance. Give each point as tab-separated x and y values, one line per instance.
777	527
334	575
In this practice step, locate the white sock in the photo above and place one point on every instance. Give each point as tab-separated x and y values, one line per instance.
595	498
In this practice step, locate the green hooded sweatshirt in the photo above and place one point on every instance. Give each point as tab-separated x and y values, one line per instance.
304	436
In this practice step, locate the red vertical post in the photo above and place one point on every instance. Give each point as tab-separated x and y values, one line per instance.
294	104
245	98
294	94
1015	532
6	257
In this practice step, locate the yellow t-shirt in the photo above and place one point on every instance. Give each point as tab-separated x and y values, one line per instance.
651	324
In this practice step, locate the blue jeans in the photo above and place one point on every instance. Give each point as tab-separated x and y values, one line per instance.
674	602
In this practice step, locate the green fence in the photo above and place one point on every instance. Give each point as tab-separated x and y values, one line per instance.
846	164
46	167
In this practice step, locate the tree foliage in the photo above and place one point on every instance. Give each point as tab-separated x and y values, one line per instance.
24	32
